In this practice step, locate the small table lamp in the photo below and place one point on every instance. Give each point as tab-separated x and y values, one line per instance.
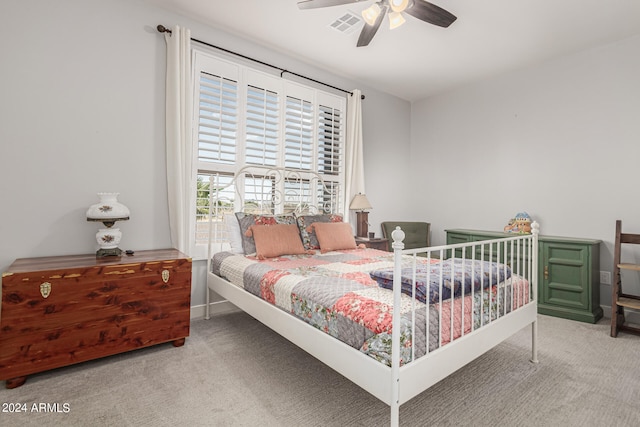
108	211
359	204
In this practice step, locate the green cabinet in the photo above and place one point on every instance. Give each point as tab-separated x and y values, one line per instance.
568	277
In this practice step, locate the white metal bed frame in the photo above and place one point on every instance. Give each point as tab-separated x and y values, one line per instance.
397	384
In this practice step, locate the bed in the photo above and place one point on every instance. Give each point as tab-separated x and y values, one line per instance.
290	264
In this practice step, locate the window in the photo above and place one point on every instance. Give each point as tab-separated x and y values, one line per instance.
245	116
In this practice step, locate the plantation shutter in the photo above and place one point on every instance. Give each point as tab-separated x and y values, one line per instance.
298	143
218	119
330	137
262	126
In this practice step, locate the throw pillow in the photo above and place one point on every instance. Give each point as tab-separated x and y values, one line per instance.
276	240
233	233
309	238
247	220
334	236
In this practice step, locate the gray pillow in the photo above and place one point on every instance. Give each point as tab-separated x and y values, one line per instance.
247	220
309	238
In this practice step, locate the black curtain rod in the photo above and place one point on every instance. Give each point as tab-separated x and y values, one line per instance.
163	29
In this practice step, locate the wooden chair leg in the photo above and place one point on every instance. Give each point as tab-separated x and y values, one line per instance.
617	320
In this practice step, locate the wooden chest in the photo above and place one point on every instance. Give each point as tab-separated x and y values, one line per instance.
57	311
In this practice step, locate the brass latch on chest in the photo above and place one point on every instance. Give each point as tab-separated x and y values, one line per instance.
45	289
165	276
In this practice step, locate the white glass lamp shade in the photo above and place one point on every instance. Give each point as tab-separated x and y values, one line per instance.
395	20
371	13
359	203
108	209
398	5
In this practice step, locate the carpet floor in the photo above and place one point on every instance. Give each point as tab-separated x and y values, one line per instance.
233	371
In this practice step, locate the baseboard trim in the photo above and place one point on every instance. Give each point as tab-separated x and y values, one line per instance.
215	308
631	316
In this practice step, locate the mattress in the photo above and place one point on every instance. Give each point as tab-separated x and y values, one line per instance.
336	293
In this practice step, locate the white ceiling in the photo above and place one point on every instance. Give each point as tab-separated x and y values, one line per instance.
418	59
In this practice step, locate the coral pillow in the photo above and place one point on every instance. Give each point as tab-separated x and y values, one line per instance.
247	220
276	240
309	238
334	236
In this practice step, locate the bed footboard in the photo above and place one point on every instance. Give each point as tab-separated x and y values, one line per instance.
494	313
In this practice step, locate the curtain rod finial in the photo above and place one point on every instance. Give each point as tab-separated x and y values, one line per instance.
161	28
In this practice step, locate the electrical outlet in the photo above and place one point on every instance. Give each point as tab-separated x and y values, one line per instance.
605	277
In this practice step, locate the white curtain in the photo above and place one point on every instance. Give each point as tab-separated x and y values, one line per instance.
354	179
179	106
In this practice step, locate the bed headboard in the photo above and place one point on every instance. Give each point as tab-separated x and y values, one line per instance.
269	190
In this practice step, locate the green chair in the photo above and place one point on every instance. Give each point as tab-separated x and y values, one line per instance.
416	233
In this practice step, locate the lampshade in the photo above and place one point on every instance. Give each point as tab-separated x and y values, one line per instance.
398	5
360	203
371	13
395	20
108	209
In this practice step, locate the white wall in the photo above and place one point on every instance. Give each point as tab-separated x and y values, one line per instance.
82	97
82	111
560	141
387	131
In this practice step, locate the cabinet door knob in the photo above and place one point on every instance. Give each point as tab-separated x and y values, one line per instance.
45	289
165	276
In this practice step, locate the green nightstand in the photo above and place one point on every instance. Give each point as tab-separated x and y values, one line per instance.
568	278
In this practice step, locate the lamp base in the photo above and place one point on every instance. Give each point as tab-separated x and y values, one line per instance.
362	220
108	252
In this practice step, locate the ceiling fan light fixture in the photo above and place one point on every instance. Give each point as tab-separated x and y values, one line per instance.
395	20
371	13
398	5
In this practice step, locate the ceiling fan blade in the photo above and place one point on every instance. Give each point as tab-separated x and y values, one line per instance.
431	13
315	4
369	31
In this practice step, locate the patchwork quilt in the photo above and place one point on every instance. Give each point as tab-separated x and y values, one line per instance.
336	293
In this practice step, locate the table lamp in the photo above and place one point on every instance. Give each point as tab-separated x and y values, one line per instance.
108	211
359	204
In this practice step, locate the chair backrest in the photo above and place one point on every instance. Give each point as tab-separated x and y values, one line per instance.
621	238
416	233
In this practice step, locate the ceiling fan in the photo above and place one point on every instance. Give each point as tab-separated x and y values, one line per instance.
374	14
